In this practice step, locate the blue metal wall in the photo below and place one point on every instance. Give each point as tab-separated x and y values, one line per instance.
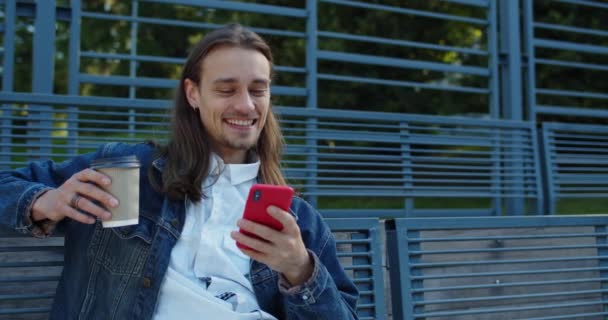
116	94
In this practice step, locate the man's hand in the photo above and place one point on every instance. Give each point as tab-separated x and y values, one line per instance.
77	193
283	251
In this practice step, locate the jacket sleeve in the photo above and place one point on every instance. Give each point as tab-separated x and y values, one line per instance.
329	293
20	188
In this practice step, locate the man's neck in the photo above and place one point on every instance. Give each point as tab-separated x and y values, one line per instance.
234	157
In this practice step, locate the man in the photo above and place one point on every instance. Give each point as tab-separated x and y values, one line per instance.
181	260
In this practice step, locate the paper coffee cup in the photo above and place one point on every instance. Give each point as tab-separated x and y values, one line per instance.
124	173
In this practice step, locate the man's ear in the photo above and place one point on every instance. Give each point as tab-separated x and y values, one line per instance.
192	93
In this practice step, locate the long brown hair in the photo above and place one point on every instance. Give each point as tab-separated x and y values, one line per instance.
188	150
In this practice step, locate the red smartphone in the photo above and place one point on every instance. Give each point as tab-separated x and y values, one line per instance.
260	197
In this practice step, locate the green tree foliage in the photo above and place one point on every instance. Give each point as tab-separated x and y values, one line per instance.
417	33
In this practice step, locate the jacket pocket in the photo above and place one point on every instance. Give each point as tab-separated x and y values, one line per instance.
121	250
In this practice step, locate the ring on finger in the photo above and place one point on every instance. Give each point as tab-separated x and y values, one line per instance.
75	199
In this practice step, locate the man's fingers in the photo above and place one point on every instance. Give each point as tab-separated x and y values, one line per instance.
259	230
87	205
286	219
92	191
90	175
257	244
78	216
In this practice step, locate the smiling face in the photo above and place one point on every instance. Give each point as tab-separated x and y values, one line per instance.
233	98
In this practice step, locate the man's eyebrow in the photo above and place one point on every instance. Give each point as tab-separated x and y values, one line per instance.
234	80
261	81
224	80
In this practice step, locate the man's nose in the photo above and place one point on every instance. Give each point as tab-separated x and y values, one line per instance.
245	102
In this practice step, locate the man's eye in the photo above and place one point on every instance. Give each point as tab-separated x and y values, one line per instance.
226	91
258	93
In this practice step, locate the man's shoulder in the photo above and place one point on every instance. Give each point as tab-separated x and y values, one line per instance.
144	151
303	210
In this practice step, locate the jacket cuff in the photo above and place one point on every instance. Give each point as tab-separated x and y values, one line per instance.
39	229
308	292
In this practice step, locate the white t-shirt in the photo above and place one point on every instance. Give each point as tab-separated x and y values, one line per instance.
207	276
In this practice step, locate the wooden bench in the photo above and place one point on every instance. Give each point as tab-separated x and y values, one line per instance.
360	249
29	272
30	269
551	267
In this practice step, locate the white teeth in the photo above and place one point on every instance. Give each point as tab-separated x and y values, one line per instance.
244	123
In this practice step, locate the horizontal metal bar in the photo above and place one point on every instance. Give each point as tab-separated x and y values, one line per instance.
73	100
508	284
289	91
571	64
507	249
512	297
83	141
586	169
128	81
580	189
571	93
581	195
29	279
479	3
31	248
477	194
571	46
289	69
508	309
587	128
507	273
182	23
239	6
557	27
361	213
24	310
400	63
397	83
403	43
501	222
4	297
25	264
593	4
569	316
585	134
366	241
128	57
573	111
91	130
283	111
407	11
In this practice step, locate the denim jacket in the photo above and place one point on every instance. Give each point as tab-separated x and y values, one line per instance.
116	273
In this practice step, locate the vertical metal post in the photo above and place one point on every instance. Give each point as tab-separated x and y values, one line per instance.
133	63
8	61
74	74
512	97
43	76
493	60
496	171
311	97
406	162
548	144
531	63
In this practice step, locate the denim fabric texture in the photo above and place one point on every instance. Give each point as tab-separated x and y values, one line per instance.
116	273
